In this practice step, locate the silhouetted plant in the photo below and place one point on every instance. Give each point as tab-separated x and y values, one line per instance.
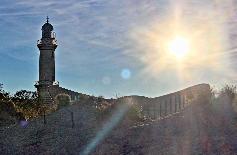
8	112
24	98
134	113
4	96
27	102
228	91
1	87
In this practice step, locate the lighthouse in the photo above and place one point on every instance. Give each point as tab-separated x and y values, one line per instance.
47	46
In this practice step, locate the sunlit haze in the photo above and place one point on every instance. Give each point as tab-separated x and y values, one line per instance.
179	47
148	47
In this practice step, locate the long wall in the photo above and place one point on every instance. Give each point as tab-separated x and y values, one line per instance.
56	90
172	103
153	107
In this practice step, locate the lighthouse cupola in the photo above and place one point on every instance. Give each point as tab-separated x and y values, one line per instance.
47	29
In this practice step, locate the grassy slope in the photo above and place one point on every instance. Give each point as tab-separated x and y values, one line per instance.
200	129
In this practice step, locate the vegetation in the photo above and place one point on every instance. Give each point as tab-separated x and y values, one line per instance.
62	100
135	113
27	104
8	112
229	92
226	94
22	105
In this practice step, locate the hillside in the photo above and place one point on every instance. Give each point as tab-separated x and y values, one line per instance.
199	129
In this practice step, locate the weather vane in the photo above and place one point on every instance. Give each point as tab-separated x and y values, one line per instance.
47	19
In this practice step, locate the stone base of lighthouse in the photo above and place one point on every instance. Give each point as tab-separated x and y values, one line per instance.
48	93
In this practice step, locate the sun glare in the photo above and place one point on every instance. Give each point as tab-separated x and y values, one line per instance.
179	47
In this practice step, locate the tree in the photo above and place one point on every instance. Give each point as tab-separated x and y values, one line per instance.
4	96
1	87
27	103
8	112
228	91
4	99
25	95
25	99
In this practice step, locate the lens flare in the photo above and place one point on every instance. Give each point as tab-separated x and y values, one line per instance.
109	126
126	74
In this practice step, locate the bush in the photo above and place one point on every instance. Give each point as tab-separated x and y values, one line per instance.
134	113
62	100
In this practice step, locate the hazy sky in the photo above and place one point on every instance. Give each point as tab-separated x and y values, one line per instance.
108	47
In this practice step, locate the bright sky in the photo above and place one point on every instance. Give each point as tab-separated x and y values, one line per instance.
109	47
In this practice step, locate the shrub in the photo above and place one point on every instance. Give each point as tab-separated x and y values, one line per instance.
62	100
134	113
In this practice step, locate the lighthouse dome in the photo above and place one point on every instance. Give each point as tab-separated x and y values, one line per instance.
47	29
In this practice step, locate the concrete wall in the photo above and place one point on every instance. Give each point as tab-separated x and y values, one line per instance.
172	103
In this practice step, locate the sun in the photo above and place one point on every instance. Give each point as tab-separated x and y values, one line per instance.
179	47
